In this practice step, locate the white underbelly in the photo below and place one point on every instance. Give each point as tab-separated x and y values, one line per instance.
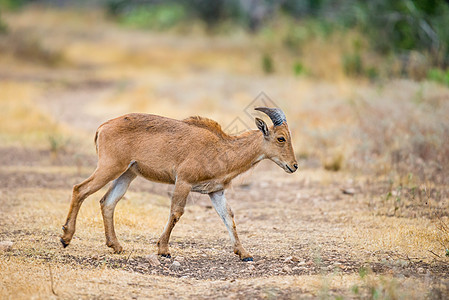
208	187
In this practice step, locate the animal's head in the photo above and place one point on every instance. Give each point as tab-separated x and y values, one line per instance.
277	139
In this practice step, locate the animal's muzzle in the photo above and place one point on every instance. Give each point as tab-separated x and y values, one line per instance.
292	170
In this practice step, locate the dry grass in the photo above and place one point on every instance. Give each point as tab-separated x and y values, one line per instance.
31	218
22	121
110	283
369	245
407	237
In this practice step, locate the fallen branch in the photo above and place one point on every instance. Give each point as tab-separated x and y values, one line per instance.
434	253
129	255
51	280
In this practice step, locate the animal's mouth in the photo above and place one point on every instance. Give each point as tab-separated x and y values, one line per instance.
284	165
290	169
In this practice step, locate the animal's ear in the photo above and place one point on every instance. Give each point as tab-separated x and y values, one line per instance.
262	127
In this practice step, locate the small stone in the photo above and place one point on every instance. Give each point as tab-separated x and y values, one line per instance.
180	259
251	267
287	269
176	265
295	258
421	270
6	245
140	266
153	260
291	259
348	191
288	259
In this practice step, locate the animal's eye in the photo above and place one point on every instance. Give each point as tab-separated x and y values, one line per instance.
281	139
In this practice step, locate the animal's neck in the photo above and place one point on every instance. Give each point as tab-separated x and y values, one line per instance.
243	152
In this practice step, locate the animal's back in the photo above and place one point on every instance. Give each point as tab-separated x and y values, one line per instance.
140	122
154	124
135	133
163	142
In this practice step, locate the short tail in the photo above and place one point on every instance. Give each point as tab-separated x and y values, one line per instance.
96	139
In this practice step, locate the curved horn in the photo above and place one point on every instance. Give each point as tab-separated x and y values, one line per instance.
276	115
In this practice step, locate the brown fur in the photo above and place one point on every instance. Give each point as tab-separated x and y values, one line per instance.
208	124
194	154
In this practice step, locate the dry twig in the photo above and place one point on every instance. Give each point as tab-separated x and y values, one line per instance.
51	280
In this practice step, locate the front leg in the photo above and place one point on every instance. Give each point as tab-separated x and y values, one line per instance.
178	202
225	212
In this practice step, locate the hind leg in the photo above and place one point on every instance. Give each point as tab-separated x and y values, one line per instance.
96	181
178	202
110	200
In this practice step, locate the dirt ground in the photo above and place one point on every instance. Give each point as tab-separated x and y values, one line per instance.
313	234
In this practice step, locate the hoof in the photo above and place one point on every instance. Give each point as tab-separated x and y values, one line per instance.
165	255
248	259
64	244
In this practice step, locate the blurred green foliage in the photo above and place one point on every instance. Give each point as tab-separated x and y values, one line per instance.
3	27
405	25
212	13
392	27
298	68
352	64
399	28
12	4
439	75
159	17
267	63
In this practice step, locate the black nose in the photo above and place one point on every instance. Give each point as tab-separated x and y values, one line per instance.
296	166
